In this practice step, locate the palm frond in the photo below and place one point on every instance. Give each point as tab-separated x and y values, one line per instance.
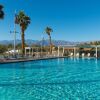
1	12
22	20
48	30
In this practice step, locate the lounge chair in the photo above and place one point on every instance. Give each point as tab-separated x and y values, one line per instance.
94	55
77	55
71	54
83	54
88	54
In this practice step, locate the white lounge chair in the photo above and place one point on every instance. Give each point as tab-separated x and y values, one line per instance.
71	54
88	54
83	54
95	55
77	54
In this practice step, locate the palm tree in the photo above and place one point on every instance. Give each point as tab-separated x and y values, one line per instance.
48	30
1	12
23	21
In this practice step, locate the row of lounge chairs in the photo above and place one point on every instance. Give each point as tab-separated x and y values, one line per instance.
83	55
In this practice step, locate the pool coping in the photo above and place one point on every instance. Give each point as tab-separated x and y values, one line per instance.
5	61
28	59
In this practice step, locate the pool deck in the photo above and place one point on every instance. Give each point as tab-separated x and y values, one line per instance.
4	61
14	60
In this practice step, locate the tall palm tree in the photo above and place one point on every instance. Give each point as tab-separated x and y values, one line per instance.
23	21
1	12
48	30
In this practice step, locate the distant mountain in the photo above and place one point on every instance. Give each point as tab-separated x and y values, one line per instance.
39	42
28	41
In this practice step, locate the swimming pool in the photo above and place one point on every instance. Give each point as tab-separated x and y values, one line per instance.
52	79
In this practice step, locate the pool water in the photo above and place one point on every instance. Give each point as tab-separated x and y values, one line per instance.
53	79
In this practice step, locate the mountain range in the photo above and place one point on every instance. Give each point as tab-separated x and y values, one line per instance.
40	42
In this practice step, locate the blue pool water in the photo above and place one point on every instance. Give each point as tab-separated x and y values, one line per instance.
53	79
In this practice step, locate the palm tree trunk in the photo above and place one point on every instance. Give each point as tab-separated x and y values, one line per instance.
50	44
23	42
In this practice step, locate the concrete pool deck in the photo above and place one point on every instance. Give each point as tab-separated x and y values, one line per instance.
4	61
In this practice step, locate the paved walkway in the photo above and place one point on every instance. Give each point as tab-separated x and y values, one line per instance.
3	61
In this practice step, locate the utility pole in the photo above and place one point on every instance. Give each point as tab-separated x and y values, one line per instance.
14	32
42	40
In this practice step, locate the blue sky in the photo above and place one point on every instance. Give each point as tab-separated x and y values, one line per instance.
71	20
